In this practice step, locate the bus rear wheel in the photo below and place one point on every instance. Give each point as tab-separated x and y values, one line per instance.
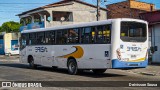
31	64
99	71
72	67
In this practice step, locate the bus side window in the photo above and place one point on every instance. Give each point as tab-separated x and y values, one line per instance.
59	37
27	39
32	39
103	34
23	41
100	34
94	34
47	37
50	37
86	35
40	38
107	34
64	37
73	36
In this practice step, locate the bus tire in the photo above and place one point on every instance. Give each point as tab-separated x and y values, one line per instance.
54	67
72	66
31	63
99	71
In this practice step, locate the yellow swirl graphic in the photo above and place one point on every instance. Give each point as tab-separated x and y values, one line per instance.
138	60
78	53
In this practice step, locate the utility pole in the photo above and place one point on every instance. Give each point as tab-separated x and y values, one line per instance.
98	9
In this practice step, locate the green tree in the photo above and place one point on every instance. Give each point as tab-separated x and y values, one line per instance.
0	28
10	26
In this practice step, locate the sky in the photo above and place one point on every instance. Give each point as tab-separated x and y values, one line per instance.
10	8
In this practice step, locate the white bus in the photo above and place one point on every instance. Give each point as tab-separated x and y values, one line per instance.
110	44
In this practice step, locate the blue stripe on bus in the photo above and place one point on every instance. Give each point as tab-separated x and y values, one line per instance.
117	64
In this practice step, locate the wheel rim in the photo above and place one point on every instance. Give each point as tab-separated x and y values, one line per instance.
72	67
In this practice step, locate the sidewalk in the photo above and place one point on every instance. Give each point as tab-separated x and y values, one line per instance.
9	58
151	70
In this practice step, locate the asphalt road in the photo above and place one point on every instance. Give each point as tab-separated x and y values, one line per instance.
14	71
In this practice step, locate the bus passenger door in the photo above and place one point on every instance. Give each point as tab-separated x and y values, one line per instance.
23	57
35	51
23	48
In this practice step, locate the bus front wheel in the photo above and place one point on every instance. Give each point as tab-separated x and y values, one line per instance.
31	64
72	67
99	71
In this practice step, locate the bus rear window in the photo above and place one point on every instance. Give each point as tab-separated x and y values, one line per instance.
133	32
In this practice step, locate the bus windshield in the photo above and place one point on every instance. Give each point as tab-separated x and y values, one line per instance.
133	32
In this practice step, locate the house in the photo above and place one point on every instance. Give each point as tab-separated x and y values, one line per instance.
60	13
153	19
9	43
128	9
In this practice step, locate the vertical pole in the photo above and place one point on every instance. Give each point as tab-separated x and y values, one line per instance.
154	35
45	21
32	19
98	3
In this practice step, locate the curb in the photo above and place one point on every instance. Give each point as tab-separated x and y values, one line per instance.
148	74
10	60
145	73
9	57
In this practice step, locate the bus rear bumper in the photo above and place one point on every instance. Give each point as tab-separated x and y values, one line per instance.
117	64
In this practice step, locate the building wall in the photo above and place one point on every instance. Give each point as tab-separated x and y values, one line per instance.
7	40
81	12
84	13
156	42
135	13
141	5
154	30
151	17
15	36
127	9
118	10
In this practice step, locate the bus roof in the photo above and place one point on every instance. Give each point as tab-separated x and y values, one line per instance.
94	23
